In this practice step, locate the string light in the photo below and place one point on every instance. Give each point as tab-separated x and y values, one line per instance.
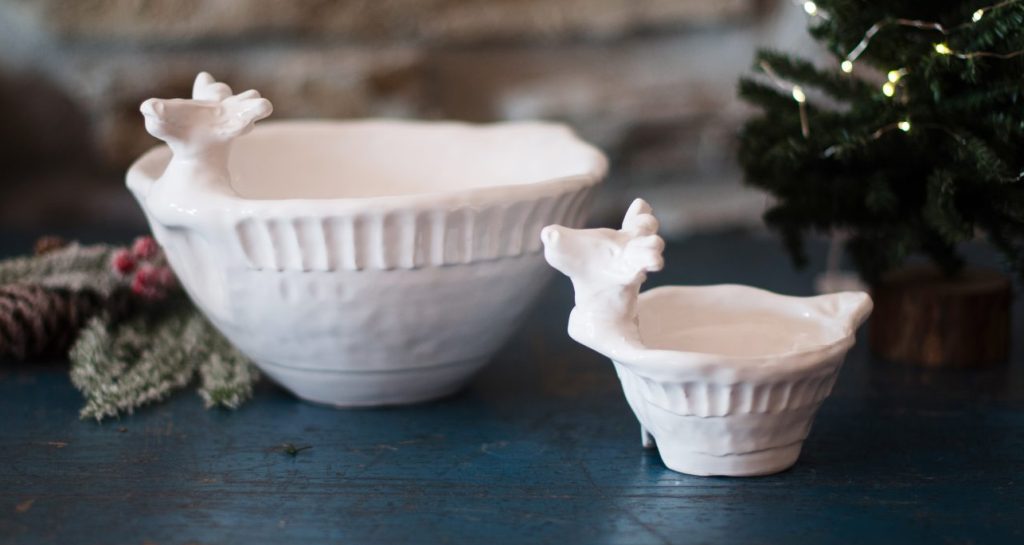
856	52
942	48
903	126
798	94
900	125
978	14
893	76
811	8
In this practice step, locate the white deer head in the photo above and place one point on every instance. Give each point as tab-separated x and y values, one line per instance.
206	122
598	259
607	266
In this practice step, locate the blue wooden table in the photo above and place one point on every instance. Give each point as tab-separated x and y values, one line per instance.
541	448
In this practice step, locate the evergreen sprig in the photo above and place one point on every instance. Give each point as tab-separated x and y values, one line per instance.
125	366
226	376
121	366
954	174
137	337
73	267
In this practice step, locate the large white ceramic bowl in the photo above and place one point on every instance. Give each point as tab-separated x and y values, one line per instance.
360	263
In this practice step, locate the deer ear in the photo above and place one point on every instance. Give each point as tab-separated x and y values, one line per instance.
207	88
639	219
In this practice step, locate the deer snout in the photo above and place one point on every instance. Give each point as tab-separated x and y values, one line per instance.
550	235
153	107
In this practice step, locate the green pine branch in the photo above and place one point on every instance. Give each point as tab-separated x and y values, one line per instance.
73	267
226	376
122	366
915	173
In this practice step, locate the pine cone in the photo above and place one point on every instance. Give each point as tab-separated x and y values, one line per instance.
37	322
47	244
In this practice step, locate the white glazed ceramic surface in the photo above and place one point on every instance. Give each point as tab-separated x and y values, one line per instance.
726	379
358	263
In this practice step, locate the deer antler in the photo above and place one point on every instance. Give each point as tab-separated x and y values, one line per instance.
643	249
241	111
644	253
207	88
213	116
639	220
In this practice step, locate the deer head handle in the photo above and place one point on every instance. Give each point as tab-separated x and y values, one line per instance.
606	267
201	128
199	132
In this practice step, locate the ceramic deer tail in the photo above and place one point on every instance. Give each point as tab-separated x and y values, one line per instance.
607	267
199	132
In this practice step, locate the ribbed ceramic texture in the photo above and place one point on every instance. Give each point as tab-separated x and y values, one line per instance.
706	399
405	239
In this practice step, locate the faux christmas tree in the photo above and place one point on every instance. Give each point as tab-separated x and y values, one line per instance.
909	143
906	142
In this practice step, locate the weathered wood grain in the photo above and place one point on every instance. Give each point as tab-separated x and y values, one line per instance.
922	317
540	449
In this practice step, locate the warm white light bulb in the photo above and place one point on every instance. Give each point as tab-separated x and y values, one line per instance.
846	66
904	126
810	7
943	49
978	15
888	89
798	94
894	75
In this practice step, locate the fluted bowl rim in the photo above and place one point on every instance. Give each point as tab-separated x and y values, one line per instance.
144	172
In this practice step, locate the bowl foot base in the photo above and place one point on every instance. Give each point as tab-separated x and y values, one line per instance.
348	389
748	464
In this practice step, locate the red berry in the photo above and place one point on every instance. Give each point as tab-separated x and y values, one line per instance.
146	283
145	248
147	271
123	262
165	277
140	288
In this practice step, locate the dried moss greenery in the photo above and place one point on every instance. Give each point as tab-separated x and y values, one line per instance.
126	351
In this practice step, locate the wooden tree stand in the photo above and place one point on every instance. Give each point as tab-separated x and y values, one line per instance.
922	317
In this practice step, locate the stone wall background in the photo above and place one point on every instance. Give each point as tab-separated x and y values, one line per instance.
652	82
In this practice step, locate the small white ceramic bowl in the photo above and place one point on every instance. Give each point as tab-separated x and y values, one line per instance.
727	379
734	375
358	263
